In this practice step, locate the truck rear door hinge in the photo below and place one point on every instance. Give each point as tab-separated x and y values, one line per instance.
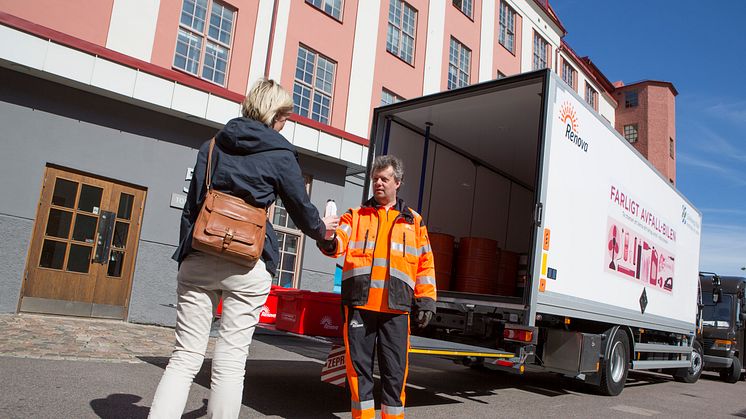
538	213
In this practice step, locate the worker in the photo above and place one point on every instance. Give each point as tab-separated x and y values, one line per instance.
388	273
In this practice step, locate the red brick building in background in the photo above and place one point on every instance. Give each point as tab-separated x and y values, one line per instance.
646	117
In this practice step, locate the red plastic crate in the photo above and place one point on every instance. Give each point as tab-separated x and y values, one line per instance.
323	314
310	313
269	310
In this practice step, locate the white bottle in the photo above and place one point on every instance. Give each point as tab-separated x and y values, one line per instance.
331	210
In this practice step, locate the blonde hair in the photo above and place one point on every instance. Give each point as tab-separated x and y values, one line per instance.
266	102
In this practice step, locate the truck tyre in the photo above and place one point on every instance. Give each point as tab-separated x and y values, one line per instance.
615	366
691	375
732	374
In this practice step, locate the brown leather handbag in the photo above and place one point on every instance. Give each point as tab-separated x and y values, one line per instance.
227	226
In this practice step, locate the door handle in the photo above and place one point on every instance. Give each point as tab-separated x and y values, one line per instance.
104	236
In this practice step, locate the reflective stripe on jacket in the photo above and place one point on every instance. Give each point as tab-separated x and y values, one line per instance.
411	271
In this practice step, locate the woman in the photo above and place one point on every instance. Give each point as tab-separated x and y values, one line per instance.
253	161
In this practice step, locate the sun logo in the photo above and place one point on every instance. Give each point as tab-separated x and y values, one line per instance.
567	116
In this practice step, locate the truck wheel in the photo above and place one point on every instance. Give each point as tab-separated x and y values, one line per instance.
732	374
691	375
615	366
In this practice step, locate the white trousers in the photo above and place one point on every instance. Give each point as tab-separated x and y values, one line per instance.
202	279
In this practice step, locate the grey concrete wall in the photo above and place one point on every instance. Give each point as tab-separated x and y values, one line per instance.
46	123
16	233
153	295
328	182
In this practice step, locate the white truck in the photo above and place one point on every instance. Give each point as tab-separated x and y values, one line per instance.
611	247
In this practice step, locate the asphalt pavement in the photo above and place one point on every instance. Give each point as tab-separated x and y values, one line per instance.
57	367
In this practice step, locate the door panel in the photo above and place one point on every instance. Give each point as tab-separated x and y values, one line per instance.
83	245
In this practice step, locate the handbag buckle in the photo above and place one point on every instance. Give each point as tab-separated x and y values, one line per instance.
227	239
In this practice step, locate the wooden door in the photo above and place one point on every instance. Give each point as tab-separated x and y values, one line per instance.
83	248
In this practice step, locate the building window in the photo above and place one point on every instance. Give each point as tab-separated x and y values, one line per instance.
569	75
464	5
507	27
388	97
459	59
541	52
314	82
591	96
671	150
290	241
331	7
401	30
630	133
631	99
202	47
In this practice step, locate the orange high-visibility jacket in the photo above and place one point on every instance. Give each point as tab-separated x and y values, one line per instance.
410	278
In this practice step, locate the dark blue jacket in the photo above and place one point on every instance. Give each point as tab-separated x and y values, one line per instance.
256	163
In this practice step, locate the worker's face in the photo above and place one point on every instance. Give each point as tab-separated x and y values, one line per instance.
385	186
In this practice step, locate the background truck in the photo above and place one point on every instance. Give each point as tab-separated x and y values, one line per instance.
724	325
596	266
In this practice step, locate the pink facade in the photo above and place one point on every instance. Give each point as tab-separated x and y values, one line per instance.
315	30
84	19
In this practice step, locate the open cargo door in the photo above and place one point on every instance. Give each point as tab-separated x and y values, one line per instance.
472	165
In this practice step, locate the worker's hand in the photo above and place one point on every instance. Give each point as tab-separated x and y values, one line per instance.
330	222
423	318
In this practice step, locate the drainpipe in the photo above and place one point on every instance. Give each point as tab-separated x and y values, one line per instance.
268	61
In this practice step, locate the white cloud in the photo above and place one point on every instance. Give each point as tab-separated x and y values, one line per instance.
736	177
734	111
714	143
723	249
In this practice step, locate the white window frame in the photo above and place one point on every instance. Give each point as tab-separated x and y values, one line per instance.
461	76
566	67
541	52
205	40
591	96
329	7
506	37
465	6
631	133
386	93
288	231
313	86
397	10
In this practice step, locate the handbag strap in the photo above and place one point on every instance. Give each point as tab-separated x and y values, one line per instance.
208	173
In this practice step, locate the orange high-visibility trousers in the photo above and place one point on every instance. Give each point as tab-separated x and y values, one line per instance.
365	333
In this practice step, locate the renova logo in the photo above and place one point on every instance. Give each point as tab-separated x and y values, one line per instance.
266	312
328	324
569	118
689	220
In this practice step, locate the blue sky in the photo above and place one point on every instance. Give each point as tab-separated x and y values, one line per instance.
699	48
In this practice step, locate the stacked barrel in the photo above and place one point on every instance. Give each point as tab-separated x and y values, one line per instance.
442	245
476	269
481	267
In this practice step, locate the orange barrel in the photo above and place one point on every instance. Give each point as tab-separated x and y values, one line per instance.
476	268
507	273
442	245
